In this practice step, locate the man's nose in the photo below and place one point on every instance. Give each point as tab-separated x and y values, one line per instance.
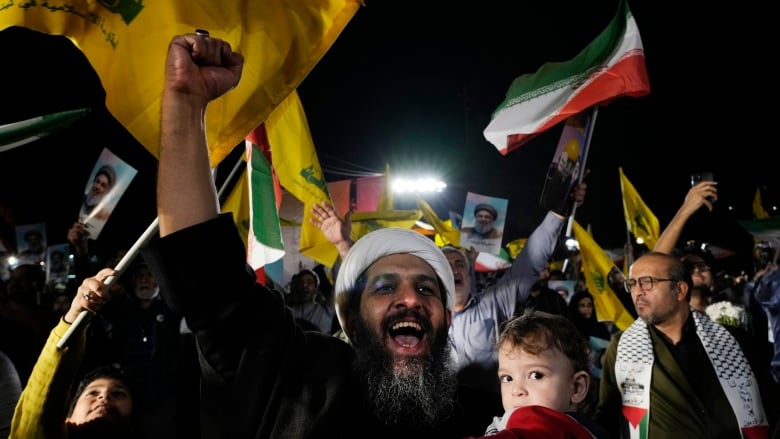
408	296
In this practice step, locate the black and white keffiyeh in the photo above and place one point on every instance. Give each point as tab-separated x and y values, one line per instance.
634	365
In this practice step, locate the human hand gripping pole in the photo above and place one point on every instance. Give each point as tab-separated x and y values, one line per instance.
121	266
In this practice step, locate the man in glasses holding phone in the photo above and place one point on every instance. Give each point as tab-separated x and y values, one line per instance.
676	373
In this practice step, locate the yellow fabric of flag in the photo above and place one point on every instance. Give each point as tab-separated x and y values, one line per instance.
296	163
366	222
127	41
640	220
758	207
514	247
596	266
445	233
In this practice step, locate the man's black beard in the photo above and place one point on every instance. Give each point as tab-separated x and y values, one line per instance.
420	397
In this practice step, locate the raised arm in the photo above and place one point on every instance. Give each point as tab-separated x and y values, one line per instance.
335	230
697	197
198	70
515	284
42	407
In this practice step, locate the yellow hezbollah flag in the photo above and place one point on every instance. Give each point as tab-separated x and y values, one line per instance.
758	207
515	246
640	220
295	161
126	41
366	222
596	265
445	234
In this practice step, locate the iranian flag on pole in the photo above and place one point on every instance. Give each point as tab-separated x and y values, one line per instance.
264	240
611	66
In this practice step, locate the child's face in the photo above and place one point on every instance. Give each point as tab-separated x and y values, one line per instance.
547	379
103	397
585	307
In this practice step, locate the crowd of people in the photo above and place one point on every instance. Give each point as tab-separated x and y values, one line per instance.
404	343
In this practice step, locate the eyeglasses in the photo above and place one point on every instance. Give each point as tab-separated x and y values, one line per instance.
645	283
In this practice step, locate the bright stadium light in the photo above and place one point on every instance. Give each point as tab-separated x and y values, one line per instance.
419	185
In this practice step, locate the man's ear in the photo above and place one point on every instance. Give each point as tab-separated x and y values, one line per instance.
448	316
580	384
682	290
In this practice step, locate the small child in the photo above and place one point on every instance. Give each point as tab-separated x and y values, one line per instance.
543	370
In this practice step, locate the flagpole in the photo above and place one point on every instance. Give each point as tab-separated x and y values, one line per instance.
121	266
591	126
588	136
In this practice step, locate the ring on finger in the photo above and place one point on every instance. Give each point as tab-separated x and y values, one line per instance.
87	296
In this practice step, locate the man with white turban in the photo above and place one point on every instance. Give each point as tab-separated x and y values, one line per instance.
262	376
476	315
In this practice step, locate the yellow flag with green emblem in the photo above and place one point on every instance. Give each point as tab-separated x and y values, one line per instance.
296	163
596	266
126	42
640	220
445	233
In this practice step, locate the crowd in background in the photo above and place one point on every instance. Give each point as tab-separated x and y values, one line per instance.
421	345
155	347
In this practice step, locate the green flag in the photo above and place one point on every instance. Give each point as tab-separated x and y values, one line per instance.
29	130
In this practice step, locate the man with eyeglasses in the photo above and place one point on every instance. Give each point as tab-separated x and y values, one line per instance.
676	373
700	262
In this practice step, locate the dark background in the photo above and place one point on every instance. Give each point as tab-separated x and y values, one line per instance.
414	86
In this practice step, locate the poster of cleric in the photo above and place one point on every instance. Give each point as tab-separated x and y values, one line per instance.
107	182
483	223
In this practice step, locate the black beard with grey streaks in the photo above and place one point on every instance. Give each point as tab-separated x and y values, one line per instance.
483	229
420	396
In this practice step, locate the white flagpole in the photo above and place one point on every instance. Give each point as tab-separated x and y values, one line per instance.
121	266
582	171
570	222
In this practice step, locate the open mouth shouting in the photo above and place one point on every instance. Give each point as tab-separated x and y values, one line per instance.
409	335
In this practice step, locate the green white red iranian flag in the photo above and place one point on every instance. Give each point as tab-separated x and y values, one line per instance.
611	66
254	202
264	243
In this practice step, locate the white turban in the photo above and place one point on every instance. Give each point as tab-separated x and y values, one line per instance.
384	242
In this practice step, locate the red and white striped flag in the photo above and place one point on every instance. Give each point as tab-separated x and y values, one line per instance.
611	66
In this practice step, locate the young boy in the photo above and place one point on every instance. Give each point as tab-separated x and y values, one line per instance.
543	370
103	403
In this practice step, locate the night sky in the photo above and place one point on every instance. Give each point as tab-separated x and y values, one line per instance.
414	87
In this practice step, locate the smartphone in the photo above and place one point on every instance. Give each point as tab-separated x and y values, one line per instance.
701	176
